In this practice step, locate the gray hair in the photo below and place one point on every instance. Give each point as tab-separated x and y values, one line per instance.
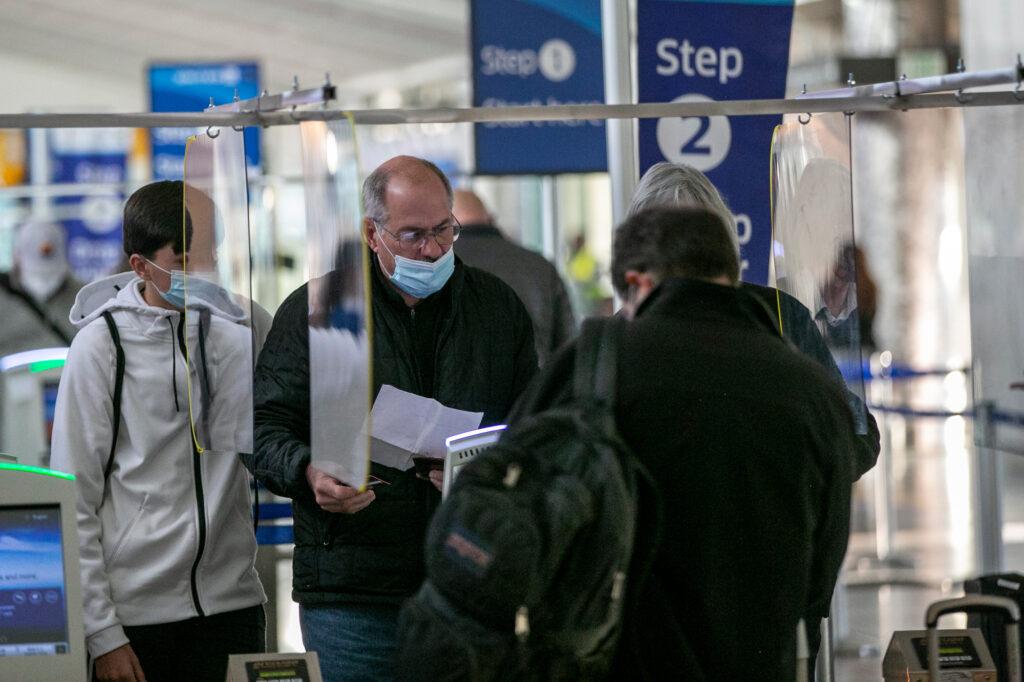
375	188
676	185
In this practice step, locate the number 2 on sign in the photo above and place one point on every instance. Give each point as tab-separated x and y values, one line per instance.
695	144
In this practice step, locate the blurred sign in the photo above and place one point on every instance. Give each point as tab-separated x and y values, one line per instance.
188	88
12	157
701	50
95	157
538	52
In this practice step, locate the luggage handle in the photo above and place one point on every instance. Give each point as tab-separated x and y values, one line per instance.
980	603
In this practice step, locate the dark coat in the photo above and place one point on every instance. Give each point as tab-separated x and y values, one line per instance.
752	448
531	276
799	328
484	359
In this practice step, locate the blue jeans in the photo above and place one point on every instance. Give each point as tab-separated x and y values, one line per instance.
352	641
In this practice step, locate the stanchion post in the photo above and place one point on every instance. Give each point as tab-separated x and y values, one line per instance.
618	89
885	506
988	492
549	220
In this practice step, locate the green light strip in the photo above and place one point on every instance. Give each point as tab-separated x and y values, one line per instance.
43	365
36	470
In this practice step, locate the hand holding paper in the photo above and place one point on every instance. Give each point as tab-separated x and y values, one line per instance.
405	425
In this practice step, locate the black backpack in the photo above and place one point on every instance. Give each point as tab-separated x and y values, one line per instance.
528	558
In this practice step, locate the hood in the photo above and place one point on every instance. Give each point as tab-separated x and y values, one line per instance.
121	292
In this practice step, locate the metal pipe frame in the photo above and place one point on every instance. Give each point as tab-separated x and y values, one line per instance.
756	107
283	100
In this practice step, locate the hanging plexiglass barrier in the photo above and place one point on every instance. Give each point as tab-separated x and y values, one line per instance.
814	253
339	349
214	277
995	238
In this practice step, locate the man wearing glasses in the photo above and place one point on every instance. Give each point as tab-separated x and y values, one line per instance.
441	330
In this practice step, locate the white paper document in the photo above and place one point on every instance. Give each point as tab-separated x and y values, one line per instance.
406	425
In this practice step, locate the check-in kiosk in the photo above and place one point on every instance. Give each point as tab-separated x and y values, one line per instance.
935	655
41	632
28	396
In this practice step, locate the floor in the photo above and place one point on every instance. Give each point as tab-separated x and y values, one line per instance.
933	470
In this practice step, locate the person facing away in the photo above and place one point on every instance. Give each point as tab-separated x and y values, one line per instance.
167	547
531	276
441	330
676	185
38	292
750	446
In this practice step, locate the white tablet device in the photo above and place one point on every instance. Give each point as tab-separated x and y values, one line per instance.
463	447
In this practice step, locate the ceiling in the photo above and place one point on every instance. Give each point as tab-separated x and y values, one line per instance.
364	44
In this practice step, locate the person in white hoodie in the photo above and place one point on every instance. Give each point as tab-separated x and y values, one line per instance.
167	545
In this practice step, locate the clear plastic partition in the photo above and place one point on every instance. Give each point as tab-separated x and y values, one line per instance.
214	278
995	239
340	355
813	247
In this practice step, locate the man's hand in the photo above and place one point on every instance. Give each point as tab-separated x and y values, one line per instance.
333	496
437	478
119	665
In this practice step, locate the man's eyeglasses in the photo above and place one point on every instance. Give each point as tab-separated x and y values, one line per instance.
413	239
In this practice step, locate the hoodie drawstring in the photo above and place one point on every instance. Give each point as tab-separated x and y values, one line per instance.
174	367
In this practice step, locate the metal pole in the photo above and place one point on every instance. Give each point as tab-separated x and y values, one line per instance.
825	670
618	89
39	171
549	214
564	112
885	513
988	493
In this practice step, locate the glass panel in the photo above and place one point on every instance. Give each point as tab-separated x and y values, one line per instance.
340	355
813	247
995	213
215	279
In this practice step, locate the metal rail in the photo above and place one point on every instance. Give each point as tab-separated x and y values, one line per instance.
755	107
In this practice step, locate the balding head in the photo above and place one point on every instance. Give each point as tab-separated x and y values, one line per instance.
469	210
405	171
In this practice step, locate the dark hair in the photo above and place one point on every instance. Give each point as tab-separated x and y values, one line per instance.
673	242
152	219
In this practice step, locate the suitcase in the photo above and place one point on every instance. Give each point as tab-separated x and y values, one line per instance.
992	625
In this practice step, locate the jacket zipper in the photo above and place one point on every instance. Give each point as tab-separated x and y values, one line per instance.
412	354
200	501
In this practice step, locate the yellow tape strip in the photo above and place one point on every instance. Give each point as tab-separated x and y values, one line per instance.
184	268
771	208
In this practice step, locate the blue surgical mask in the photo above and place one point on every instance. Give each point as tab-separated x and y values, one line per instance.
420	278
200	287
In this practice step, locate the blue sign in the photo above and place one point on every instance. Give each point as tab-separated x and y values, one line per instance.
700	50
90	156
538	52
188	88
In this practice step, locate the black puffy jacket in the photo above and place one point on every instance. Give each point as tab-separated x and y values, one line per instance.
484	358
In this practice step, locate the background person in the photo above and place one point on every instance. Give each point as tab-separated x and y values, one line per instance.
751	447
37	295
531	276
667	185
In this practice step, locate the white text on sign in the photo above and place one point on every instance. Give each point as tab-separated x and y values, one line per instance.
674	57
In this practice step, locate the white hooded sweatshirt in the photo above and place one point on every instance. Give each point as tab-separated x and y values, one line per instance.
168	536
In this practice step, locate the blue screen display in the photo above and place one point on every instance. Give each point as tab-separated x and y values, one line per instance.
33	613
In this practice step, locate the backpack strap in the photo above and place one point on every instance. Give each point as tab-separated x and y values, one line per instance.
37	310
597	354
118	385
